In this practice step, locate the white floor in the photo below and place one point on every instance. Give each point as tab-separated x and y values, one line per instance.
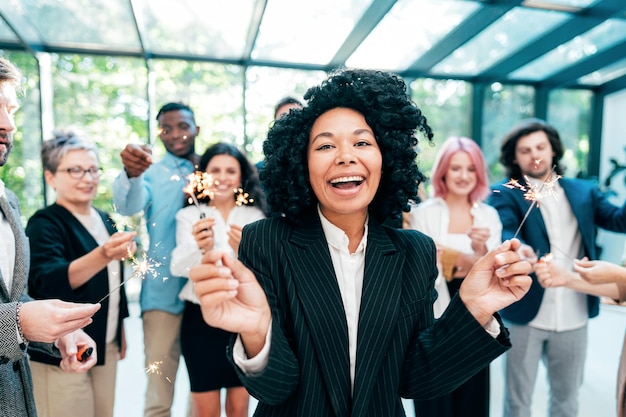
597	397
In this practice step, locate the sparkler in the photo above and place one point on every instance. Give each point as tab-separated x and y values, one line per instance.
155	369
534	193
199	184
242	198
140	268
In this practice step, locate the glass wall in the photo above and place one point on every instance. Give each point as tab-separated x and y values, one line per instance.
504	106
22	173
447	107
114	100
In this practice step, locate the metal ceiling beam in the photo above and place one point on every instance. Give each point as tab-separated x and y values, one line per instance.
580	23
253	29
613	86
463	33
570	75
18	33
370	19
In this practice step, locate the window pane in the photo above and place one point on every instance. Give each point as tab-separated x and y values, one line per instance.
213	91
306	31
447	107
22	172
569	111
397	42
264	88
504	107
216	28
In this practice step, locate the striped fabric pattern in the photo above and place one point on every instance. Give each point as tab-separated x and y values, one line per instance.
401	351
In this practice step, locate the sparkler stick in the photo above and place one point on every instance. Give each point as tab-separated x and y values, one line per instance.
533	194
140	268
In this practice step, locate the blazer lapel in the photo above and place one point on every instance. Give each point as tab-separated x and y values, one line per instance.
379	311
324	316
20	268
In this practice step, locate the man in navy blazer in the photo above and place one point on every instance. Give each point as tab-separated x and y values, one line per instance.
548	324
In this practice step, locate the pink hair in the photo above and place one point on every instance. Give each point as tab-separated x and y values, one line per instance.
451	146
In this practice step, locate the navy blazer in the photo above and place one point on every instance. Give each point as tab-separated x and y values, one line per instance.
402	351
57	238
591	209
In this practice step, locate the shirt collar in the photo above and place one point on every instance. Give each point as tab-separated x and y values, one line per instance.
336	237
1	189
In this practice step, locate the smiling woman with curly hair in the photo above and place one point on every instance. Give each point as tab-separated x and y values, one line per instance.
383	101
333	309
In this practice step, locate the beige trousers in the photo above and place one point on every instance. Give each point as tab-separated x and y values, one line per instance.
91	394
161	336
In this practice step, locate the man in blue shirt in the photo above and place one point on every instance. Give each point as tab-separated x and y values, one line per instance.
156	188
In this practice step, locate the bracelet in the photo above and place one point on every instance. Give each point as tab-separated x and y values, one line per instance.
19	326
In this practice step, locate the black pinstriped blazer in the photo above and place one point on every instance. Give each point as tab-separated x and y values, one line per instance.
401	350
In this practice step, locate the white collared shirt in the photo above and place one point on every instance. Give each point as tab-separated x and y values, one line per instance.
7	247
561	308
349	270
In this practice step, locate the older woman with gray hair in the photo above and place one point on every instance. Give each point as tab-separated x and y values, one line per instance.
76	253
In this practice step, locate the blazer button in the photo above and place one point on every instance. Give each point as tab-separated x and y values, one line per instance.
16	366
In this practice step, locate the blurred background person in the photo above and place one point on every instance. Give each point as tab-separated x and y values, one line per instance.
216	222
285	105
600	278
549	325
464	229
75	256
150	187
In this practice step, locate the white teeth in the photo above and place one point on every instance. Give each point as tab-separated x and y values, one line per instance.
347	179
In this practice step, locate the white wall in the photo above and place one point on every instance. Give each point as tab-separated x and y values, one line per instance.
613	143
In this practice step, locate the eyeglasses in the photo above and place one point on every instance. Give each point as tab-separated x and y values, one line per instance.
78	173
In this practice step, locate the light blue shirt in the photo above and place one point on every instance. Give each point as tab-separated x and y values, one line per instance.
159	193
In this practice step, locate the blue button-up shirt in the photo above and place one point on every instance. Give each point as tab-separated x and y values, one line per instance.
159	193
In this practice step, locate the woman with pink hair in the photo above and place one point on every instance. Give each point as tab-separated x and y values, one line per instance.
464	229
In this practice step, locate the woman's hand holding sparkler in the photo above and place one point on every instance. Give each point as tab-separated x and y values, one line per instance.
120	246
232	299
496	280
203	233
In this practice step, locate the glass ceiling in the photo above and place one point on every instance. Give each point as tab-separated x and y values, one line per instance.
553	44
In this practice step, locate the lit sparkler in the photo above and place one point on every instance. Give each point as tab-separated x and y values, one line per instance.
140	268
154	368
242	198
199	184
534	193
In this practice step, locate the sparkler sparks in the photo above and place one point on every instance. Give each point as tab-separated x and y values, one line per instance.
534	193
242	198
140	268
154	368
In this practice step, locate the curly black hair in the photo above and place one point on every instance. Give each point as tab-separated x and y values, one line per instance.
382	99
